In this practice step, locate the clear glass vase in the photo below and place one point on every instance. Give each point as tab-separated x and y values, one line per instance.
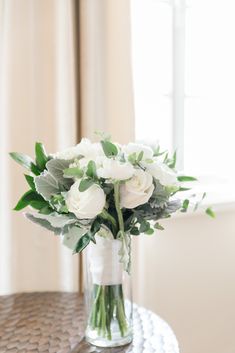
107	293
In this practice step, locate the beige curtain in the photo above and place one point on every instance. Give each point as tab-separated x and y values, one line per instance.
64	72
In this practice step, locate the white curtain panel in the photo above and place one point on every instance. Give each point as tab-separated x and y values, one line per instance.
39	101
105	69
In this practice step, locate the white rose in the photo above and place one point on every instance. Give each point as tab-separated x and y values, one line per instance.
68	153
136	191
113	169
86	204
165	175
90	150
137	148
85	148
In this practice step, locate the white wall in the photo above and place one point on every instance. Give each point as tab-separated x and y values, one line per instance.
187	276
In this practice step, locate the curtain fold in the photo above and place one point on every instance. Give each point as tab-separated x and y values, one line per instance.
49	94
105	64
38	103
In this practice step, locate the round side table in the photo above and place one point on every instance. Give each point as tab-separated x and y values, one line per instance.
54	322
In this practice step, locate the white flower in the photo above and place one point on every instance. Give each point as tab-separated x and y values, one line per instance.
87	149
68	153
86	204
90	150
137	148
114	169
160	171
136	191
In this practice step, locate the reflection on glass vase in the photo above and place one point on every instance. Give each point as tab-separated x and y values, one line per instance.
107	292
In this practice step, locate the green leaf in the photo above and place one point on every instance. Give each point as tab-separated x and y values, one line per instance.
38	204
199	202
46	210
73	172
26	200
110	150
157	152
165	158
144	226
135	231
150	231
140	156
91	170
210	212
30	181
41	156
172	162
185	205
132	158
25	161
186	178
184	189
158	226
85	184
82	243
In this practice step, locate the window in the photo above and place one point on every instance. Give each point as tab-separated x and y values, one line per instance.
184	80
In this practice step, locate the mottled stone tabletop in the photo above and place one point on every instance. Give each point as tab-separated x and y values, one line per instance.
54	322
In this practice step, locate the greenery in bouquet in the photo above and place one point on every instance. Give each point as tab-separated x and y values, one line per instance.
123	189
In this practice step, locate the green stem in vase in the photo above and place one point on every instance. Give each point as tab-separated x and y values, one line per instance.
108	306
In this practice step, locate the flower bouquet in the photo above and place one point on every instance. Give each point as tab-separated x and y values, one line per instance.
96	196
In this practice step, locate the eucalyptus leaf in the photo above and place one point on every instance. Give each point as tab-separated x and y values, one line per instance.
172	162
150	231
85	184
140	156
110	150
185	205
74	172
135	231
158	226
210	212
91	170
144	226
185	178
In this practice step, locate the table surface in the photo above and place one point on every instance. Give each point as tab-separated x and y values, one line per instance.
54	322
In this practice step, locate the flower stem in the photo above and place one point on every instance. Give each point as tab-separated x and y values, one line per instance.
117	205
106	215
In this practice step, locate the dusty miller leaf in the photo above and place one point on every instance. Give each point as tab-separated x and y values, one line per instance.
55	220
43	223
72	237
56	168
46	185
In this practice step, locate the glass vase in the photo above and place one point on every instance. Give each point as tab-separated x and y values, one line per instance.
107	294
